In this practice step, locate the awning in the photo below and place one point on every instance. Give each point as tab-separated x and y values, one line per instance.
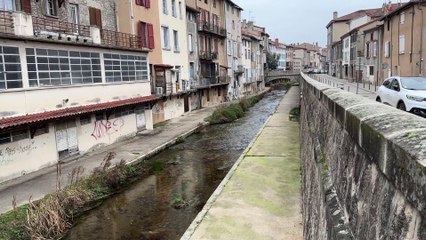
70	111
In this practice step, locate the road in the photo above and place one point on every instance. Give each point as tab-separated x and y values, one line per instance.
364	90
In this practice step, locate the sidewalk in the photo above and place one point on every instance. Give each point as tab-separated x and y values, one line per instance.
37	185
260	197
364	89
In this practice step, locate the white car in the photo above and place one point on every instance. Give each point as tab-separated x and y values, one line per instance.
405	93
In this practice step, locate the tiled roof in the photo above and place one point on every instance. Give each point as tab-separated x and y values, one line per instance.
70	111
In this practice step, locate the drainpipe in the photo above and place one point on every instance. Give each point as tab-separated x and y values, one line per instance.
132	18
421	41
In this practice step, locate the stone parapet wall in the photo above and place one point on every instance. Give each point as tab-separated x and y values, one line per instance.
364	167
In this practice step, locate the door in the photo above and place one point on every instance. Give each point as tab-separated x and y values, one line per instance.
186	103
66	139
73	8
95	17
140	120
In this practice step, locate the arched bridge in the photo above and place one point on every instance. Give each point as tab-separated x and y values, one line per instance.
277	76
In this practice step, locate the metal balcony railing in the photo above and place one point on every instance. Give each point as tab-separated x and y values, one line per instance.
208	55
119	39
6	22
209	81
210	28
47	25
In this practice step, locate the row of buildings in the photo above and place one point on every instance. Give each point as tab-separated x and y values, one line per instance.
299	57
77	75
372	44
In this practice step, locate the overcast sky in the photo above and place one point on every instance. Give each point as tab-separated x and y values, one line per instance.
300	21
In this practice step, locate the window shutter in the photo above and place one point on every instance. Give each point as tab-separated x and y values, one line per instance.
142	34
26	6
151	43
147	3
98	18
139	2
95	17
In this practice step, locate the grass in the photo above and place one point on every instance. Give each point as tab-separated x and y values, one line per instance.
232	112
295	114
178	202
52	216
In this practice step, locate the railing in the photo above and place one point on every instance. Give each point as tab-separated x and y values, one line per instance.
47	25
208	55
209	81
208	27
6	22
119	39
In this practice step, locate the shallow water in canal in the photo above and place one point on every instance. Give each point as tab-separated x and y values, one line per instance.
193	171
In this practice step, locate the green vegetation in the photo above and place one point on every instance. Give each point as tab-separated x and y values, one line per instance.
52	216
157	167
232	112
295	114
180	139
178	202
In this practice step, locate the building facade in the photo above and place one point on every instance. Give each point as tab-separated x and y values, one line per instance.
74	87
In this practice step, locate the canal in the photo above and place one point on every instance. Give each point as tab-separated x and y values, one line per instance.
192	172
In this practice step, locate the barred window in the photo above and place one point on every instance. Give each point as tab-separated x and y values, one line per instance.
10	68
49	67
120	68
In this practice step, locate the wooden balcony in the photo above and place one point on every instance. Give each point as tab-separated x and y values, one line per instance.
42	26
208	56
120	40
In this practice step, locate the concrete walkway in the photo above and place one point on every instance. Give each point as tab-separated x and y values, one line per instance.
37	185
260	196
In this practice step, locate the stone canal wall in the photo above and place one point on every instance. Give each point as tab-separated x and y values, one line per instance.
364	174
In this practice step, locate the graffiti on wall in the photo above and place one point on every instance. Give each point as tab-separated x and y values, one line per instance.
103	128
6	154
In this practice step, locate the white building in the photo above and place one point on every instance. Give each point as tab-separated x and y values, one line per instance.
280	50
67	89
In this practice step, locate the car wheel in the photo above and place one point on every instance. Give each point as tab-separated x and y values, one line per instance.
378	99
401	106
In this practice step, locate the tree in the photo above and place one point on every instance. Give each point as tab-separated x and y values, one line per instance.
272	60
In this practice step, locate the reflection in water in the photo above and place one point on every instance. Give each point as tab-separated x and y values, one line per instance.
195	168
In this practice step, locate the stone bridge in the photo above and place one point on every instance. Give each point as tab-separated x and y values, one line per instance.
363	174
277	76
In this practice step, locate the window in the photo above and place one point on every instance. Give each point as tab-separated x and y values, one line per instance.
371	70
191	70
233	24
51	8
402	18
8	137
39	130
190	44
146	34
401	44
214	3
73	8
387	49
50	67
10	68
368	50
8	5
100	116
174	12
85	119
176	40
375	49
166	37
124	68
165	10
180	10
145	3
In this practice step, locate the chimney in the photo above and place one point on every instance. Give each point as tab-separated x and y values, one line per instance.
335	15
316	44
277	40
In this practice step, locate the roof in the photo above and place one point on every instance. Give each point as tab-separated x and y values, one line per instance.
235	5
373	13
401	8
70	111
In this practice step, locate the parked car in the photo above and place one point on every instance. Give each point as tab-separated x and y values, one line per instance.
405	93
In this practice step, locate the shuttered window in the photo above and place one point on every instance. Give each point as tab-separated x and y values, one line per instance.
95	16
146	34
145	3
26	6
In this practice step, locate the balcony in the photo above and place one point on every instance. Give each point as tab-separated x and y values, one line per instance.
210	81
208	56
27	26
119	39
210	28
239	70
6	22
